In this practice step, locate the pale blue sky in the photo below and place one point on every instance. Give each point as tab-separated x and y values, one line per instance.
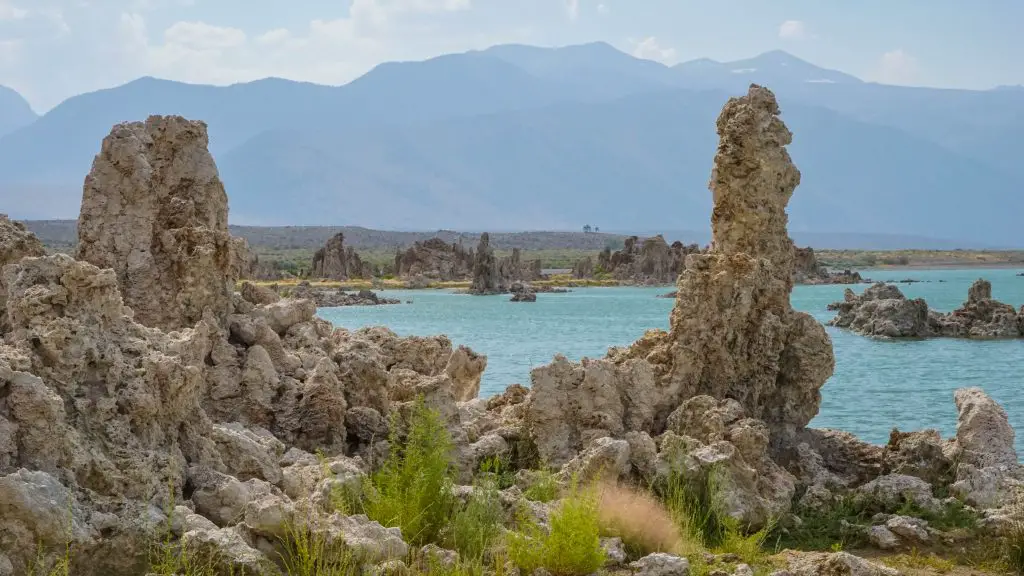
53	49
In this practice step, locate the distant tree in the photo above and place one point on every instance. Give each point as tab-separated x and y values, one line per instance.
586	228
597	229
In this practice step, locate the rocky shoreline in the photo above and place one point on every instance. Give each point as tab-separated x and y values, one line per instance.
153	419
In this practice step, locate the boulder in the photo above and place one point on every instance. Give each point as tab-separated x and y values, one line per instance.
15	243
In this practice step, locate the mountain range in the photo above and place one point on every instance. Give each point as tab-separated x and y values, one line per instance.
522	137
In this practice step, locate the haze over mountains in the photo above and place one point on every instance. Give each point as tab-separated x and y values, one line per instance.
519	137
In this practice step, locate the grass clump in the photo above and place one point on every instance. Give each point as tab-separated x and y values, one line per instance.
544	487
476	524
642	522
572	547
413	489
915	560
308	553
1013	546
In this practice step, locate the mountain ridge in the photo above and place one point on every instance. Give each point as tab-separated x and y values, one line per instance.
552	137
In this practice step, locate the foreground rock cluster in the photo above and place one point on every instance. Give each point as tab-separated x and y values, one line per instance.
230	417
882	310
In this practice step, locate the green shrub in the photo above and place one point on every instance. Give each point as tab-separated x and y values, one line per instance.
308	553
544	488
571	548
1013	548
413	489
476	524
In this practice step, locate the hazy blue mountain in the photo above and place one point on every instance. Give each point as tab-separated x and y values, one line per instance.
638	163
15	111
525	137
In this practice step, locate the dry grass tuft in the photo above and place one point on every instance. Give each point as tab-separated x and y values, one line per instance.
642	522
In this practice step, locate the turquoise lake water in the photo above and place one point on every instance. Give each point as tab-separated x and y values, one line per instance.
876	385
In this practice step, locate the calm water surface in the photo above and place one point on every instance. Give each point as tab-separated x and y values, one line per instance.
876	385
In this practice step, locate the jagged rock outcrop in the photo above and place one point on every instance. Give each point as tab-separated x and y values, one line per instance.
493	275
652	261
335	261
883	310
154	210
15	243
487	277
105	421
435	259
988	472
733	331
807	270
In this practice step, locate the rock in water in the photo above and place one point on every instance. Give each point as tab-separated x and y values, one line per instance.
486	275
883	310
435	259
155	211
733	331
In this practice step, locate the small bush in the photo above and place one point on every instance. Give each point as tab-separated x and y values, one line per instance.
544	489
306	553
413	489
692	505
571	548
641	521
476	524
749	547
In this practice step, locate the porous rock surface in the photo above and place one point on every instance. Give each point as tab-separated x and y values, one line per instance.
155	211
105	421
882	310
733	333
15	243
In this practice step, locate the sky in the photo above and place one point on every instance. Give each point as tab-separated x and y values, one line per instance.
51	50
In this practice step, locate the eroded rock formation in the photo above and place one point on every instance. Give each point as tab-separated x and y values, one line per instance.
494	275
435	259
335	261
652	261
733	331
883	310
154	210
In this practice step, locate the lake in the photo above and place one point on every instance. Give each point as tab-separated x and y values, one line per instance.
876	385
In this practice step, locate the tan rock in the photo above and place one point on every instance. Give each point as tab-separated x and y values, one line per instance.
15	243
733	331
154	210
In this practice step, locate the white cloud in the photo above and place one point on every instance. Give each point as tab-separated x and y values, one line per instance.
572	9
793	30
203	36
275	36
897	67
603	9
9	11
649	49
